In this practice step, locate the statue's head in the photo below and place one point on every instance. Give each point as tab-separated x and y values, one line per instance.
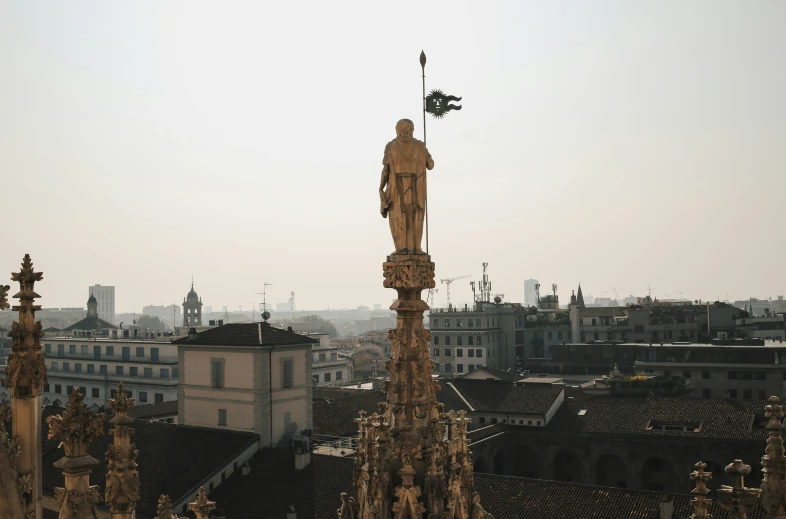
404	129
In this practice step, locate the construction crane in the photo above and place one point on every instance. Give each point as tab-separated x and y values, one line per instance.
431	291
448	281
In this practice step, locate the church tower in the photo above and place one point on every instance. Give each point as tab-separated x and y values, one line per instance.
92	306
192	308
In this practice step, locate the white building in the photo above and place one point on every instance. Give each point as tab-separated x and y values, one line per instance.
531	292
147	368
246	377
106	301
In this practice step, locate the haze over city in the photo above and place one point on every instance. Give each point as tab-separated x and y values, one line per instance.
620	144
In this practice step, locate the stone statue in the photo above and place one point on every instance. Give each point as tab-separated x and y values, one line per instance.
402	189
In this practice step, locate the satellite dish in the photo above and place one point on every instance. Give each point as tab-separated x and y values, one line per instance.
498	300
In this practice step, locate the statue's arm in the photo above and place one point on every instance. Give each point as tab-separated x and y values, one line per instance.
429	161
383	207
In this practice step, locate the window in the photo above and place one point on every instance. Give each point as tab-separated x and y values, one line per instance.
435	323
333	356
732	393
446	352
159	397
705	375
174	372
686	374
447	343
478	353
470	352
315	379
596	335
119	370
436	367
761	394
477	323
148	372
460	368
458	323
759	375
60	350
96	393
110	351
459	342
84	349
102	369
594	321
660	425
548	335
78	367
733	375
470	323
83	390
140	351
222	417
143	396
46	388
436	340
448	368
96	352
471	367
216	373
164	373
154	354
47	349
288	374
706	393
91	368
66	366
470	340
72	349
477	340
529	422
327	378
747	394
447	323
481	420
58	389
339	375
133	371
459	352
559	335
436	352
54	366
322	357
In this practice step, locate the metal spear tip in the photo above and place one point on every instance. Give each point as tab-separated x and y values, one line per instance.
422	59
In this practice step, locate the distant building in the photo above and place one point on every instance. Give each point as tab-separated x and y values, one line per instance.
168	313
329	367
92	325
105	297
530	292
246	377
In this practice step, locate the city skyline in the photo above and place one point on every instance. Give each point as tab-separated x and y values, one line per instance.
618	143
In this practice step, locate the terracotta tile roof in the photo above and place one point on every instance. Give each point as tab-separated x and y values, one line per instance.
172	459
505	397
519	498
247	334
720	419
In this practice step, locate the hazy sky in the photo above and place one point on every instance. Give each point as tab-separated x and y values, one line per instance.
616	143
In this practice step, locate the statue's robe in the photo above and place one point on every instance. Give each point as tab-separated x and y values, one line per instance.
405	194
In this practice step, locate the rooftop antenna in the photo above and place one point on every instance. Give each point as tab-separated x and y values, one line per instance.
554	289
263	294
537	294
474	297
292	305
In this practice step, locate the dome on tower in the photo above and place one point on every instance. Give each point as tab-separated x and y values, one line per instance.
92	299
192	295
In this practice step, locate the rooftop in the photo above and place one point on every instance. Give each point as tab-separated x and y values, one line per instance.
247	334
91	323
505	397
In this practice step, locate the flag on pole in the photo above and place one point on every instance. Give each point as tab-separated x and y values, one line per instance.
438	104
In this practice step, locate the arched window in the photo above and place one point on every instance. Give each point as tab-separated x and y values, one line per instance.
458	341
477	340
447	340
471	342
436	339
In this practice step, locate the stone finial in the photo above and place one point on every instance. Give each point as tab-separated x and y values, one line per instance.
700	503
121	403
164	508
76	427
122	478
201	507
27	278
4	296
773	490
738	499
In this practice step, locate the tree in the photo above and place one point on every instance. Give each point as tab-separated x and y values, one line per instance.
153	323
325	326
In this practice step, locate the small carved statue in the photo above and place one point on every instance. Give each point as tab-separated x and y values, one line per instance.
477	510
347	510
402	189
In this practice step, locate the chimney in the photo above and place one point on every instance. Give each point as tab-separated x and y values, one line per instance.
192	334
291	513
666	506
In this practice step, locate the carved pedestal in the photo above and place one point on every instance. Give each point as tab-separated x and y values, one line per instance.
412	458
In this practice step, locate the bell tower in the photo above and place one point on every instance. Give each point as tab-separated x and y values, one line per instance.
192	308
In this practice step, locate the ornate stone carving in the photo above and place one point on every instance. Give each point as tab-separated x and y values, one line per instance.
737	499
26	370
164	508
701	504
76	504
4	297
201	507
409	274
122	478
773	486
76	427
